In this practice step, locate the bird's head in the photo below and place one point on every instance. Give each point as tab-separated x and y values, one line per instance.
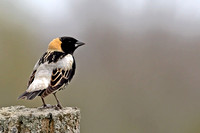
65	44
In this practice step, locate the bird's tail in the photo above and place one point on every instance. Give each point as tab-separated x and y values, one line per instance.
30	95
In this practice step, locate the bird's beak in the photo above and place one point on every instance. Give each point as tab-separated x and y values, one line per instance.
78	44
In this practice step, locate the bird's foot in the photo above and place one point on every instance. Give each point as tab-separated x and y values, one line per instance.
58	107
46	106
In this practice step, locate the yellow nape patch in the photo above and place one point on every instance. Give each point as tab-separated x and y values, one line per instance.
55	45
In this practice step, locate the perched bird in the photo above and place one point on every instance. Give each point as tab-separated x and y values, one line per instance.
53	71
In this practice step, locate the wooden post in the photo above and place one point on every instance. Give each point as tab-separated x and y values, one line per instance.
19	119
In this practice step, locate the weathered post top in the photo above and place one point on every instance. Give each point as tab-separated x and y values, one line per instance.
19	119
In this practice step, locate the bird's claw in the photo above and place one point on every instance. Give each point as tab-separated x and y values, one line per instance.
46	106
58	107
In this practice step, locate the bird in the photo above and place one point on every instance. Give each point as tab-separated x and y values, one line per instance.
53	71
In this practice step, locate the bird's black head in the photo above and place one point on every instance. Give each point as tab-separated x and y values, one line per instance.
69	44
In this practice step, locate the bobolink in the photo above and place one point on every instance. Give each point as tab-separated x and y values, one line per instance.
54	70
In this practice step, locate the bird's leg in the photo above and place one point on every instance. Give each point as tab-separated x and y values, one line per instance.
44	104
58	103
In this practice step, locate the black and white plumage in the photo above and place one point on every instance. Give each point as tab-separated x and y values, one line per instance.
54	70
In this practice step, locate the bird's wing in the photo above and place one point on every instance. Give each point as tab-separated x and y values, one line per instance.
47	58
51	57
42	60
60	77
41	75
31	78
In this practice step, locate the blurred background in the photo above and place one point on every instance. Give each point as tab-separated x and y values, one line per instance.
138	72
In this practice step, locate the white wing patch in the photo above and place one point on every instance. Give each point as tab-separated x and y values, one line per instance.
44	72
